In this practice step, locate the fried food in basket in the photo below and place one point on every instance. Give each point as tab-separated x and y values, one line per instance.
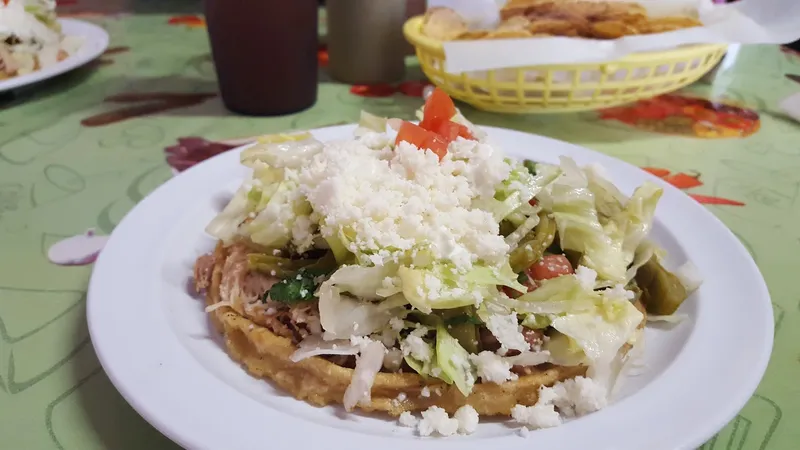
570	18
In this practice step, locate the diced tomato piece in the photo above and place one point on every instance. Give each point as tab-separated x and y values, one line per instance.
437	145
550	266
412	134
439	107
424	139
451	131
528	283
533	202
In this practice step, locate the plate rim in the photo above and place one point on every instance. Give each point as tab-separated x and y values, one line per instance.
88	52
735	401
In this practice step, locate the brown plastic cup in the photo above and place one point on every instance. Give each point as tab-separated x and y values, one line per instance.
265	53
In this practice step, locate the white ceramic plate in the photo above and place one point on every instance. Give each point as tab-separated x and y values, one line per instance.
155	343
95	43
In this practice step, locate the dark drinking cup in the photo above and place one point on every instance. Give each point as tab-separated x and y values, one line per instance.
265	53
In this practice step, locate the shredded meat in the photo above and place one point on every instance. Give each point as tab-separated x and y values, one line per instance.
245	290
295	322
8	65
203	269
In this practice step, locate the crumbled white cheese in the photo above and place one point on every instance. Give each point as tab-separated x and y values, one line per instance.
415	347
569	398
393	360
303	233
508	331
396	324
579	396
436	420
360	341
492	368
399	199
467	419
586	277
407	419
425	392
536	416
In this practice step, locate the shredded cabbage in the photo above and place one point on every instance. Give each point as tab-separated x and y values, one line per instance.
370	123
442	287
367	367
345	306
316	346
282	151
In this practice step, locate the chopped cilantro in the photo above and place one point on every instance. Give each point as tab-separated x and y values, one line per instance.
530	165
295	288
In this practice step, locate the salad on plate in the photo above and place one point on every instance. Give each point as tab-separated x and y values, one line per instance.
416	270
31	37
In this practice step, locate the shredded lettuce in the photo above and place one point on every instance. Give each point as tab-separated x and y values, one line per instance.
608	245
282	150
608	199
442	287
346	302
454	361
601	333
226	224
370	123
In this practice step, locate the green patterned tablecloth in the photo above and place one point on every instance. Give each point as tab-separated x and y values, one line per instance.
80	151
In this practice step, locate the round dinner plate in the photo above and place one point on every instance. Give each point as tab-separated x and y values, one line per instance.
95	43
158	348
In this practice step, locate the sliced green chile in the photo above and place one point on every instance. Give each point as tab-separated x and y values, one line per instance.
533	245
465	333
662	291
283	267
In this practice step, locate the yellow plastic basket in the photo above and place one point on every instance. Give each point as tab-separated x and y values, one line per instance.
565	87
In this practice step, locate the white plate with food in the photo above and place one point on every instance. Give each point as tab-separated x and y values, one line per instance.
372	295
35	45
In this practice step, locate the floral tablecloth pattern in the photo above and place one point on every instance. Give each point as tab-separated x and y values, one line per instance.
78	152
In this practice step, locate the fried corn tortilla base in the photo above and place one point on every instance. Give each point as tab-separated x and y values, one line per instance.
321	382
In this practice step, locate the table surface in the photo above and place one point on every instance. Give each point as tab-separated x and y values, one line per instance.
79	151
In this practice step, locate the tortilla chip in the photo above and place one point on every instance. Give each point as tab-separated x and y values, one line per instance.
612	29
665	24
473	35
508	34
443	24
555	27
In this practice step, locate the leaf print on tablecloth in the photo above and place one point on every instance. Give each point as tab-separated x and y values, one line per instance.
42	335
685	182
60	182
192	150
148	103
687	116
750	429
